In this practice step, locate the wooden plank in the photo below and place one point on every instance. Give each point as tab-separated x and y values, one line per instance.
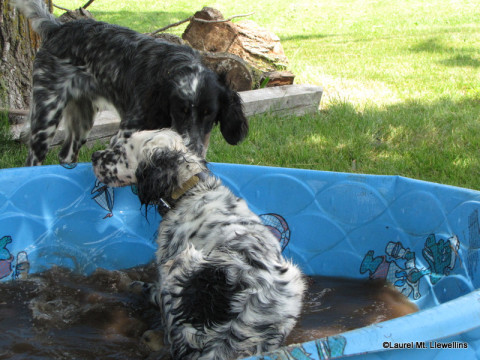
280	101
288	99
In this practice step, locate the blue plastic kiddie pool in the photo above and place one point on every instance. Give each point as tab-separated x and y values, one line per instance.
424	238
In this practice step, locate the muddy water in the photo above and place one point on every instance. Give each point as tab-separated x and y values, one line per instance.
335	305
59	315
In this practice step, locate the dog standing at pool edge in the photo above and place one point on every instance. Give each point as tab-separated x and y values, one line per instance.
224	288
86	65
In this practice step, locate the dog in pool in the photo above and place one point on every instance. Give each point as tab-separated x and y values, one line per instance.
224	288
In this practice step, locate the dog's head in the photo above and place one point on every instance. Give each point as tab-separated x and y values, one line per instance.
157	161
196	99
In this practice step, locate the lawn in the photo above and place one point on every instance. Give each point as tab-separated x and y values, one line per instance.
401	85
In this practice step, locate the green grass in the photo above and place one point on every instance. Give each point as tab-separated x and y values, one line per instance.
429	146
401	84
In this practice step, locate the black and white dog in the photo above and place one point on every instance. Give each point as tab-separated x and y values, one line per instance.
85	65
224	288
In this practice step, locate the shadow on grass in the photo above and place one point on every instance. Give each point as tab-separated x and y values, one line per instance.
462	60
306	37
141	21
12	153
462	57
432	45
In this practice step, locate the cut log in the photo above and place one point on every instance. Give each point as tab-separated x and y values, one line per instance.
278	78
237	72
280	101
209	37
260	48
256	45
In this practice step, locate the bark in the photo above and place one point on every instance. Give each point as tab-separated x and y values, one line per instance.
18	45
238	73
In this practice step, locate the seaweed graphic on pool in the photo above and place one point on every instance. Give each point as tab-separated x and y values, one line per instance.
22	265
103	196
325	348
278	226
399	265
6	257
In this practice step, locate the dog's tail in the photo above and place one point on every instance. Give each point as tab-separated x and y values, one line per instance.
43	22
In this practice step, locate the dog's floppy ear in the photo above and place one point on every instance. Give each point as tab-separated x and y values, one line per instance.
233	123
157	176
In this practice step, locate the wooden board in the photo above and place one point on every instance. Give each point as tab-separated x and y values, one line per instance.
280	100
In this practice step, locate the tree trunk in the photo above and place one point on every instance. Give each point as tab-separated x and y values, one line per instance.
18	45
